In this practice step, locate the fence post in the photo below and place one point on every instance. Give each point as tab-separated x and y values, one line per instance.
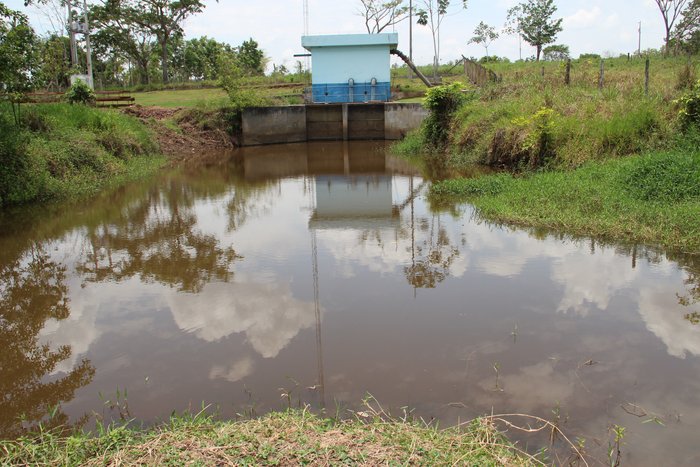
567	76
646	77
543	72
601	78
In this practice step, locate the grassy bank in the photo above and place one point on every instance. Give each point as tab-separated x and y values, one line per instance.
288	438
60	151
534	120
653	199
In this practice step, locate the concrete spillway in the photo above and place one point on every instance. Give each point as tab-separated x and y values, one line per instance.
329	122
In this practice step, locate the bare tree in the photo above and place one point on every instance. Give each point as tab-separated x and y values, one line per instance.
431	14
380	15
670	11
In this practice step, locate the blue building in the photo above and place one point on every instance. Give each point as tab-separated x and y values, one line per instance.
351	67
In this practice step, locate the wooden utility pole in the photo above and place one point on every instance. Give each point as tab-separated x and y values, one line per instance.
410	36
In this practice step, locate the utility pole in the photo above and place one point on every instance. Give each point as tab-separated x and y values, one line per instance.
639	47
71	33
88	49
410	36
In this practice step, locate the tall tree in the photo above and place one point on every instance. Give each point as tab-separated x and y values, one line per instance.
670	11
484	35
514	27
113	30
162	18
431	14
380	15
18	56
687	32
538	28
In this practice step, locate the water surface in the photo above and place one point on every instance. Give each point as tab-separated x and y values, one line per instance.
322	272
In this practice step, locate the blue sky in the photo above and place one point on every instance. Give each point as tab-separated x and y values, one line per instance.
596	26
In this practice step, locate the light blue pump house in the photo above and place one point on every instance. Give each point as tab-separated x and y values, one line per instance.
351	67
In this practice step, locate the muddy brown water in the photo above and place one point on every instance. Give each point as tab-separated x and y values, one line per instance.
322	271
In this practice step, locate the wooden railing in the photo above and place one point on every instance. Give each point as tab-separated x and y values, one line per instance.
102	98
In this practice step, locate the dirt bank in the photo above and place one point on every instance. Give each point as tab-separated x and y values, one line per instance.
182	134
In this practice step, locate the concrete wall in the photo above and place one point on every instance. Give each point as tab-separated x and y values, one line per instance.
332	122
273	125
365	121
399	119
324	122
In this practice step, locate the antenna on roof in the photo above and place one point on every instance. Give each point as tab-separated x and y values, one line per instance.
306	29
306	17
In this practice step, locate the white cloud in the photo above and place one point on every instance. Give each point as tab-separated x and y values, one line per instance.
268	314
583	18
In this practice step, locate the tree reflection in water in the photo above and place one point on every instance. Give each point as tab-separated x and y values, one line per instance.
157	239
33	291
432	257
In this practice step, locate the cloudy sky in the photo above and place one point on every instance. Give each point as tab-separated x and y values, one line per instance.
599	26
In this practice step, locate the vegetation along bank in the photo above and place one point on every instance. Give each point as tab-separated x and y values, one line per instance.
287	438
604	159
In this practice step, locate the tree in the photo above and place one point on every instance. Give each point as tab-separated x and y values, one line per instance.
115	32
514	27
33	291
537	26
670	11
162	18
251	58
18	56
484	35
687	32
556	53
380	15
432	14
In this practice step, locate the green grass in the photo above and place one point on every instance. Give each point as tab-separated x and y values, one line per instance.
288	438
214	97
63	151
652	199
502	125
181	98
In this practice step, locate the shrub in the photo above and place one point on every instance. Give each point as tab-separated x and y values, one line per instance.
539	139
80	93
442	102
690	107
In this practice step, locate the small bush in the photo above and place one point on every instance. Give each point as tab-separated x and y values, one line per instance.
80	93
442	102
690	107
686	77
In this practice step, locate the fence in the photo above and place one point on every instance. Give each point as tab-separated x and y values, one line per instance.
479	75
602	73
102	98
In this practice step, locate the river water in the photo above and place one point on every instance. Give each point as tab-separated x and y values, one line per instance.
320	273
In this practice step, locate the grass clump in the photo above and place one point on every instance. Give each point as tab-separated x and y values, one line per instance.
62	150
288	438
652	199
